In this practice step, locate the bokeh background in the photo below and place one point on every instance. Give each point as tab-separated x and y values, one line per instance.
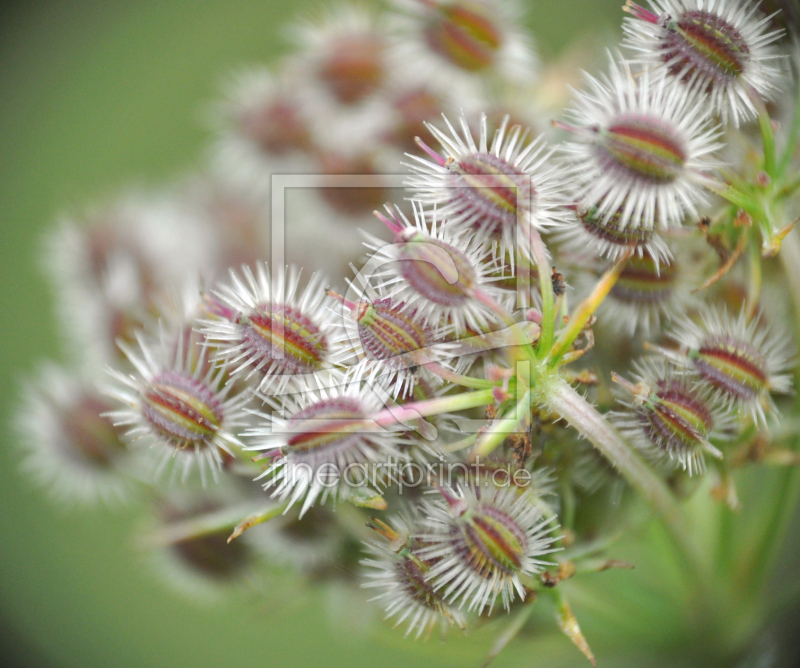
96	95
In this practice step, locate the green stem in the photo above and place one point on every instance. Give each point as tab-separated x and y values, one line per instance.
585	311
546	288
765	124
502	427
794	135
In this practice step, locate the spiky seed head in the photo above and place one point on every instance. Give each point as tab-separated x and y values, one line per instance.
743	360
672	416
483	544
640	146
722	48
395	568
322	443
263	326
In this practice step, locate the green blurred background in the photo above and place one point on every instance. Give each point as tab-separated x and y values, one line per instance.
95	95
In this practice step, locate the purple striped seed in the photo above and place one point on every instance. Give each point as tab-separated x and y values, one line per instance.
182	408
282	340
643	147
464	33
388	331
733	366
703	44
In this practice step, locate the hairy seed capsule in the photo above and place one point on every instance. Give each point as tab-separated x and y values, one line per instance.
353	67
388	331
610	235
489	541
328	425
702	43
182	408
645	282
464	33
435	269
282	339
491	189
676	418
644	147
732	365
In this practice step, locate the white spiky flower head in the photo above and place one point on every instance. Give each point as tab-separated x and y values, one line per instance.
445	276
262	128
639	147
671	416
323	443
385	342
496	191
649	292
744	360
178	403
725	48
396	570
343	52
457	40
71	448
589	234
265	326
485	542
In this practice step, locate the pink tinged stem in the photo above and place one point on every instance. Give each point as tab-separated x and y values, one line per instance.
420	409
351	305
452	377
639	12
393	224
438	159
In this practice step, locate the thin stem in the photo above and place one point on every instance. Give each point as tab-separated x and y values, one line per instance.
416	410
794	135
754	286
489	301
458	379
502	427
539	252
585	311
767	133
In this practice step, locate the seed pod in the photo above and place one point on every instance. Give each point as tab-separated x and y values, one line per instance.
323	445
396	570
500	191
672	417
441	272
744	361
607	238
454	40
72	448
640	143
483	545
721	48
265	327
179	404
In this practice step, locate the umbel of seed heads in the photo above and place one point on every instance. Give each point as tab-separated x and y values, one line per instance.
724	49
